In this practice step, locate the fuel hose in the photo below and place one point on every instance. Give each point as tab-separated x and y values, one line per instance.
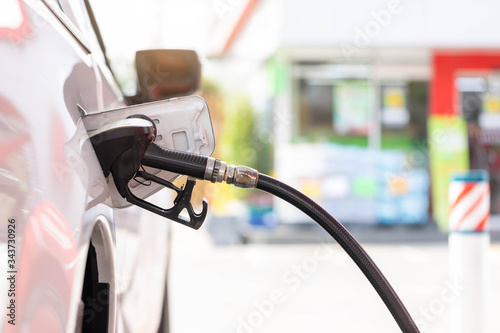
347	242
217	171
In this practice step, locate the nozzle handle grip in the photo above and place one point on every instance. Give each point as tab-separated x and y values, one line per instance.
175	161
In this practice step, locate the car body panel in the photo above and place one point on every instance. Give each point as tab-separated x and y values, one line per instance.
55	191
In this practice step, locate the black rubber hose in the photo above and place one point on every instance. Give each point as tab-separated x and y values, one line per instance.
175	161
195	165
347	242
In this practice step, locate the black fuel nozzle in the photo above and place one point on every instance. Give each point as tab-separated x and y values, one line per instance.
120	148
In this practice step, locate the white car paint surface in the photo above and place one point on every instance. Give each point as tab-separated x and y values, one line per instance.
51	67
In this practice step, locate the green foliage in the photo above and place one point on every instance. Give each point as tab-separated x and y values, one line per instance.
238	136
209	86
240	142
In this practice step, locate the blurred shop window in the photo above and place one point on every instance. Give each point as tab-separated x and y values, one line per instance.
395	113
479	101
315	109
333	102
471	97
352	105
404	110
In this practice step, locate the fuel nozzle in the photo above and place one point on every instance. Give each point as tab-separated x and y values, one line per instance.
120	148
206	168
123	146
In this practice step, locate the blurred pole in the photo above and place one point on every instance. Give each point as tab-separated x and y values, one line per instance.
469	240
375	131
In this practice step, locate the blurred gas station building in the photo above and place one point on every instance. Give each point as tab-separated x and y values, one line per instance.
370	105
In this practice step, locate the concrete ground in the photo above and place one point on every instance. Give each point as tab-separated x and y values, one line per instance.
310	287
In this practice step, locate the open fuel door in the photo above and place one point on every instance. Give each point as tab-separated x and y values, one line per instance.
181	124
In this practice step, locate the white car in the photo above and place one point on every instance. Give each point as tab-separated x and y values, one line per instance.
73	262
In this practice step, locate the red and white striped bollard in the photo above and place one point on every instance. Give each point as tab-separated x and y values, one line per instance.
469	241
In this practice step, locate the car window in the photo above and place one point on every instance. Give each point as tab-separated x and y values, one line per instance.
66	14
95	31
66	8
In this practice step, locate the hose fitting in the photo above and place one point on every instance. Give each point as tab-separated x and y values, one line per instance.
218	171
242	176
